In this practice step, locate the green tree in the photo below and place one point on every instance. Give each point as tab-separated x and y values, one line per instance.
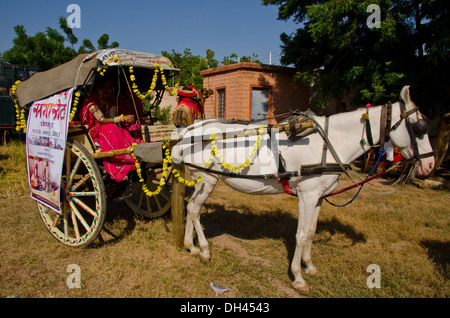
234	58
48	49
103	43
251	58
44	49
335	50
191	65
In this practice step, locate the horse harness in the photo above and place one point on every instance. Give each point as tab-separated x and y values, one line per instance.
415	130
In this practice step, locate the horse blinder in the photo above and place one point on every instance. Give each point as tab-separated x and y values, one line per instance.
416	130
420	128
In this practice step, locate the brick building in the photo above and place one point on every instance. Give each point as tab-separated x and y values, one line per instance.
253	91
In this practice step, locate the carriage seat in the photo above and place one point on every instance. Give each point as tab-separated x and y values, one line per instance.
80	133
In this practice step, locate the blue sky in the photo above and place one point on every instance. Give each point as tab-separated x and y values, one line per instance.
243	27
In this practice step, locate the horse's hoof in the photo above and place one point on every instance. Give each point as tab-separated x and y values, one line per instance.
204	259
194	250
312	272
301	287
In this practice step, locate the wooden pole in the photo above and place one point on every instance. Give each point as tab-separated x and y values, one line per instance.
249	132
297	126
178	192
111	153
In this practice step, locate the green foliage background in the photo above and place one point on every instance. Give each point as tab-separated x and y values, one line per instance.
335	50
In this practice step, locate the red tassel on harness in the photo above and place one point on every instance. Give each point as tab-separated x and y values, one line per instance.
285	184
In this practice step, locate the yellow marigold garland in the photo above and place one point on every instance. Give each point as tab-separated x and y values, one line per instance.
74	106
152	85
215	152
165	175
175	172
102	69
21	123
164	82
135	88
192	183
168	160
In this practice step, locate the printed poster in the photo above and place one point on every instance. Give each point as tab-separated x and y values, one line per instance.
47	126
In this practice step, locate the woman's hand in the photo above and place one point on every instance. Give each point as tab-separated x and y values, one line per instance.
128	118
118	120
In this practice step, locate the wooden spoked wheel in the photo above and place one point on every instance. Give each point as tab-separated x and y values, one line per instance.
83	200
150	206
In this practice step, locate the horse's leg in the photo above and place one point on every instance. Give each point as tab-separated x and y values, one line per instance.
307	203
201	194
310	268
189	235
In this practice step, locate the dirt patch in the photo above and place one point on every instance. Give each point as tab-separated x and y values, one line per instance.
226	241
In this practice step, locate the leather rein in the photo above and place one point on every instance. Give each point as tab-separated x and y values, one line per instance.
413	132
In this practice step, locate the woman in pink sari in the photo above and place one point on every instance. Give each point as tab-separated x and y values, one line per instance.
111	129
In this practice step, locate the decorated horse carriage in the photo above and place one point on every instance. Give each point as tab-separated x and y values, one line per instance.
112	151
303	155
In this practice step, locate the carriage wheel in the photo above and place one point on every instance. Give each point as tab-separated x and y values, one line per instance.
83	200
154	206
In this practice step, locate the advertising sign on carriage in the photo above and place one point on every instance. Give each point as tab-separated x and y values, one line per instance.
47	127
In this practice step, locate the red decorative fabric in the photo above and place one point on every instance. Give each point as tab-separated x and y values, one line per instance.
112	137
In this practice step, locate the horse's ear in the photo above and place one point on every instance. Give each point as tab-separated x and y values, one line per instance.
404	94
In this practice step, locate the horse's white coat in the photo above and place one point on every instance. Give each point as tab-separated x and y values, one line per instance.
344	132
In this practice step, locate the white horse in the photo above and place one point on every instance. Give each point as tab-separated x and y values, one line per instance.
344	134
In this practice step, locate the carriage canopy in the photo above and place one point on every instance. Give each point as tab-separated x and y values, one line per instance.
77	71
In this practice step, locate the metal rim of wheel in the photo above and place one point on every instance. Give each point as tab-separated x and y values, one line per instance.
150	206
83	200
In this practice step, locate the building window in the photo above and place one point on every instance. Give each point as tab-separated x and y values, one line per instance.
260	103
221	103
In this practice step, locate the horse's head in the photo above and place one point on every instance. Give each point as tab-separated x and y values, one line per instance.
410	133
190	106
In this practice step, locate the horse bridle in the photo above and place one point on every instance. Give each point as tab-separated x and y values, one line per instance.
415	130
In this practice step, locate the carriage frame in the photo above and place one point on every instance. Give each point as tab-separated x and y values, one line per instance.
86	189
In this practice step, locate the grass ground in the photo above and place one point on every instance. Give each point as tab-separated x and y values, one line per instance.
252	243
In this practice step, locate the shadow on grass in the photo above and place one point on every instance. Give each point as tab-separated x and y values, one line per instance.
278	224
335	226
117	213
439	253
3	157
